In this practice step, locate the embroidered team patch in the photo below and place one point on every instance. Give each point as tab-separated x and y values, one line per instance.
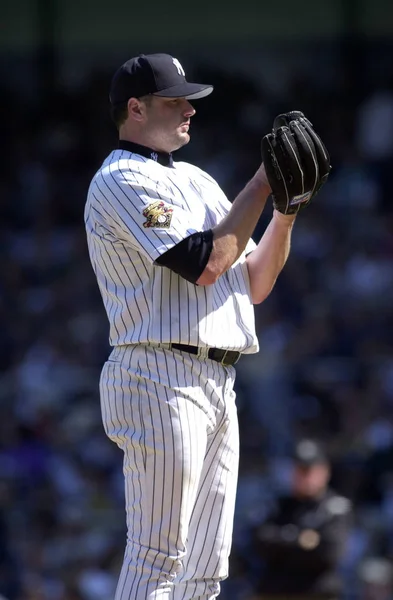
157	214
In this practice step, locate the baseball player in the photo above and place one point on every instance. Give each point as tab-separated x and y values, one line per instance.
179	274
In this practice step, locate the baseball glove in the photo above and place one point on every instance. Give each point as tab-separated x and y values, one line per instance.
296	161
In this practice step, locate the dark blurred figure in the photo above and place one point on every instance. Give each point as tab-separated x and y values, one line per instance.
302	542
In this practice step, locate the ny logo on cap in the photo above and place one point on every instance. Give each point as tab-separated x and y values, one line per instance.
178	66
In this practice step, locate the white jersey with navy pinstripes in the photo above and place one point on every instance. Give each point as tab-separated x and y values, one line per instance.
136	210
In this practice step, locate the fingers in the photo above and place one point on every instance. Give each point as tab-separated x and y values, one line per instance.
284	119
307	153
285	170
291	159
322	154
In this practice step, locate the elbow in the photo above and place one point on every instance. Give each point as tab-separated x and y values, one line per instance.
260	287
208	276
258	296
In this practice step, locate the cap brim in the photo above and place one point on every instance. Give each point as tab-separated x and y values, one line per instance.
191	91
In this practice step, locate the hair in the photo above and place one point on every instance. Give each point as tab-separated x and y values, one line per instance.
119	112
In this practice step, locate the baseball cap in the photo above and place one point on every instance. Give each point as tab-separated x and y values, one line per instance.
309	452
157	74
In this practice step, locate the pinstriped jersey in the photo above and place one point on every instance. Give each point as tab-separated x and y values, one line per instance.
136	210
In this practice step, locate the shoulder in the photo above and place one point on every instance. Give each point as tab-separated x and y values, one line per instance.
207	186
120	163
122	167
281	510
194	171
285	503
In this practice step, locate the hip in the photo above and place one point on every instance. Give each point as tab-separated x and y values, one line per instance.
163	373
145	378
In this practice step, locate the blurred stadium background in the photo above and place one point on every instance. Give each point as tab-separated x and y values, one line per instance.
326	362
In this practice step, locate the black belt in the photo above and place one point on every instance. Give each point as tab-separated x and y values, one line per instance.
225	357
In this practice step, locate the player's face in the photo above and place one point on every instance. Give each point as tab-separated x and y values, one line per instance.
310	481
168	122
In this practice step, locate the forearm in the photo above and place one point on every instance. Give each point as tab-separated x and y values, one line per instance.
267	260
231	235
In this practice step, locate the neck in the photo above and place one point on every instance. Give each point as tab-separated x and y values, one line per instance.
163	158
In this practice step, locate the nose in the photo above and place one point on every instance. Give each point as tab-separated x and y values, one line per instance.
189	110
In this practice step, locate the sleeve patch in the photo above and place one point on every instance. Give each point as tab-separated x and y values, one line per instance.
158	214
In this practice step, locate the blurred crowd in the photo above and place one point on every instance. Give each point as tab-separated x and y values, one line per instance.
325	368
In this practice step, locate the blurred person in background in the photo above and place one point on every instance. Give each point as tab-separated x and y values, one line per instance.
302	541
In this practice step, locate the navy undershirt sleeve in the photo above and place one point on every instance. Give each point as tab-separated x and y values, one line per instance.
190	256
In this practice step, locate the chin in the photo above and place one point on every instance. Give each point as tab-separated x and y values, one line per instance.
182	139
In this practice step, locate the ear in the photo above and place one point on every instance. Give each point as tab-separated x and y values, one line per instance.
136	110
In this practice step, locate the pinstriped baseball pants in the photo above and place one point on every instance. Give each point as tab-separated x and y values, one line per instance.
175	418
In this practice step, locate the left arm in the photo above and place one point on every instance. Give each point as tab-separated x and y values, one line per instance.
267	260
297	164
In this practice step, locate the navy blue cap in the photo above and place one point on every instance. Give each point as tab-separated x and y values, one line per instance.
157	74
